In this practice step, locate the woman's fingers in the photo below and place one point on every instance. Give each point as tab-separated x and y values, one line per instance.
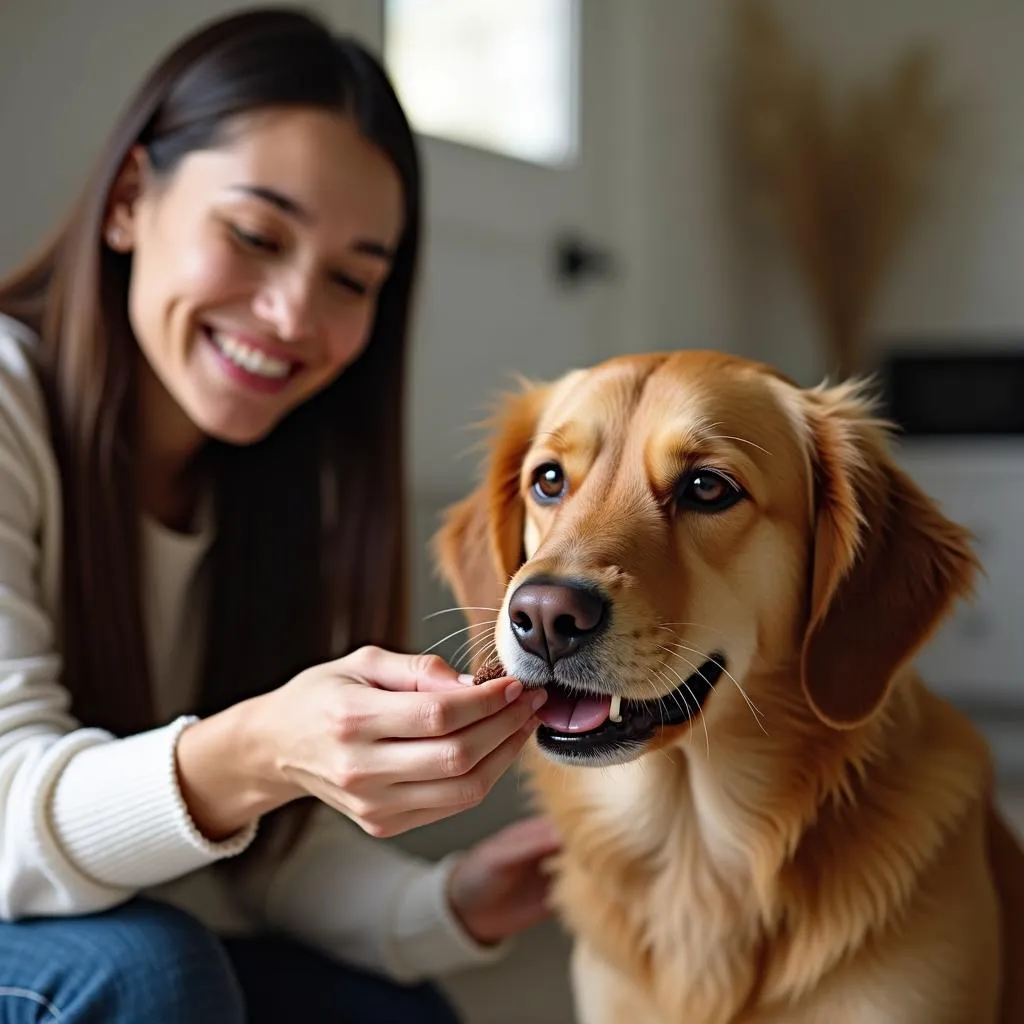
524	840
451	795
387	670
390	810
414	804
409	716
456	754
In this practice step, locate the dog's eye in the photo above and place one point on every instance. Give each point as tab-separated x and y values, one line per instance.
548	482
704	490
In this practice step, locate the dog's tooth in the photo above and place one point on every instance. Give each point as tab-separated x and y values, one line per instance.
615	712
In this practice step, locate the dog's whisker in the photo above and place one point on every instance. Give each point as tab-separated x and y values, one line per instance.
487	629
680	700
685	704
699	653
700	709
751	706
482	641
484	652
694	625
755	711
666	674
473	641
465	651
658	696
482	647
464	658
456	632
703	719
672	681
741	440
668	628
461	608
730	437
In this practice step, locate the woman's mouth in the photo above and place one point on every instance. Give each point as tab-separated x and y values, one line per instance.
248	364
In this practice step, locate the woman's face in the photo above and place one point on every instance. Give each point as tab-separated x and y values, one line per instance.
256	268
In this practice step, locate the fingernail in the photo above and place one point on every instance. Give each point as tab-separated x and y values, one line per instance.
539	700
465	679
512	691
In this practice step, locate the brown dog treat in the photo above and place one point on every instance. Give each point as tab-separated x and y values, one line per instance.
491	670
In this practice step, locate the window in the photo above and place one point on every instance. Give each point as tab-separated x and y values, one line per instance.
499	75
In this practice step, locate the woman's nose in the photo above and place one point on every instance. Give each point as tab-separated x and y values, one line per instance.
287	306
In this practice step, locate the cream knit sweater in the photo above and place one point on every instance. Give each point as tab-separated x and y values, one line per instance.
87	820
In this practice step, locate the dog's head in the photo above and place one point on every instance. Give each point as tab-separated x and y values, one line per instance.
660	532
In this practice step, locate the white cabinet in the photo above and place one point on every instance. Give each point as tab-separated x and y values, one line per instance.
977	658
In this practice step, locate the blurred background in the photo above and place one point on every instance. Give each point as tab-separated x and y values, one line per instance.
830	187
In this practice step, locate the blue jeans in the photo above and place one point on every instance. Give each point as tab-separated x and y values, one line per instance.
148	963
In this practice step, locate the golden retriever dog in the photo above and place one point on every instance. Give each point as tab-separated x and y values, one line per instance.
721	579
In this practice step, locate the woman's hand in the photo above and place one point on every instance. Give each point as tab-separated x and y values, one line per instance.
392	741
500	887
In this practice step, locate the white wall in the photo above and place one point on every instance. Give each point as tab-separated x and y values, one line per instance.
961	274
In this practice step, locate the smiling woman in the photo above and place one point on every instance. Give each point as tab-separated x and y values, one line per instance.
202	574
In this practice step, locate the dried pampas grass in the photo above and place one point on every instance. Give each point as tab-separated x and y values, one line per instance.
844	180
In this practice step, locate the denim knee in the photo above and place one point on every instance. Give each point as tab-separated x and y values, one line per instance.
143	961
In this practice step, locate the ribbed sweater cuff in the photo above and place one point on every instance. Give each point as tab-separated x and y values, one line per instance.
118	813
427	939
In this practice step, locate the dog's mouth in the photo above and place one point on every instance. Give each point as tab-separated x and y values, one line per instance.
581	725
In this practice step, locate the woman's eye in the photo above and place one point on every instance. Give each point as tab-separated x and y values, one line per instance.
549	483
253	240
704	490
267	246
351	284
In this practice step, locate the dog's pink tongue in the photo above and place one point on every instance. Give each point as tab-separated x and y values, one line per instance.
574	714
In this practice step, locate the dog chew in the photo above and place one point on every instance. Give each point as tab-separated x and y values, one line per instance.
491	670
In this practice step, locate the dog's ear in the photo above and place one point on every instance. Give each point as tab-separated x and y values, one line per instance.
887	564
480	543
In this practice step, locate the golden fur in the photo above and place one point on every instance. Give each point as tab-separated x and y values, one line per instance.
820	847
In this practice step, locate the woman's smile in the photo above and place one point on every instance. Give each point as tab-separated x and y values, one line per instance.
250	362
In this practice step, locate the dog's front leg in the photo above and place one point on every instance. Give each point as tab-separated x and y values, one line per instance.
604	995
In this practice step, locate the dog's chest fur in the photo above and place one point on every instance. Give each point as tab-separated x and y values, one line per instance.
702	913
637	884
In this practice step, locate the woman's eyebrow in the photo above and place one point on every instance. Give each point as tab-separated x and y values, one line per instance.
293	208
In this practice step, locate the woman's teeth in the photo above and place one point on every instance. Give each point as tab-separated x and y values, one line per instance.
251	359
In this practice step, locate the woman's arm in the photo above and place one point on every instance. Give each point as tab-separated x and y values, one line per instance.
365	902
224	768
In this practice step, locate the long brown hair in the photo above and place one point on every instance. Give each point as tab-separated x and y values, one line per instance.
309	557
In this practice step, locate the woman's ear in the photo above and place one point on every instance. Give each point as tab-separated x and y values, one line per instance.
887	564
120	222
480	543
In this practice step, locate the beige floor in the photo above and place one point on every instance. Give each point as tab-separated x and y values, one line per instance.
531	986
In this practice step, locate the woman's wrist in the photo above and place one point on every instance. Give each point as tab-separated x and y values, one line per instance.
226	771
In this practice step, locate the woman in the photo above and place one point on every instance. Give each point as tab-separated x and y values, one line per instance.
201	499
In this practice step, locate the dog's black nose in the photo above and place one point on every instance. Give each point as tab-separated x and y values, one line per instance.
552	620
